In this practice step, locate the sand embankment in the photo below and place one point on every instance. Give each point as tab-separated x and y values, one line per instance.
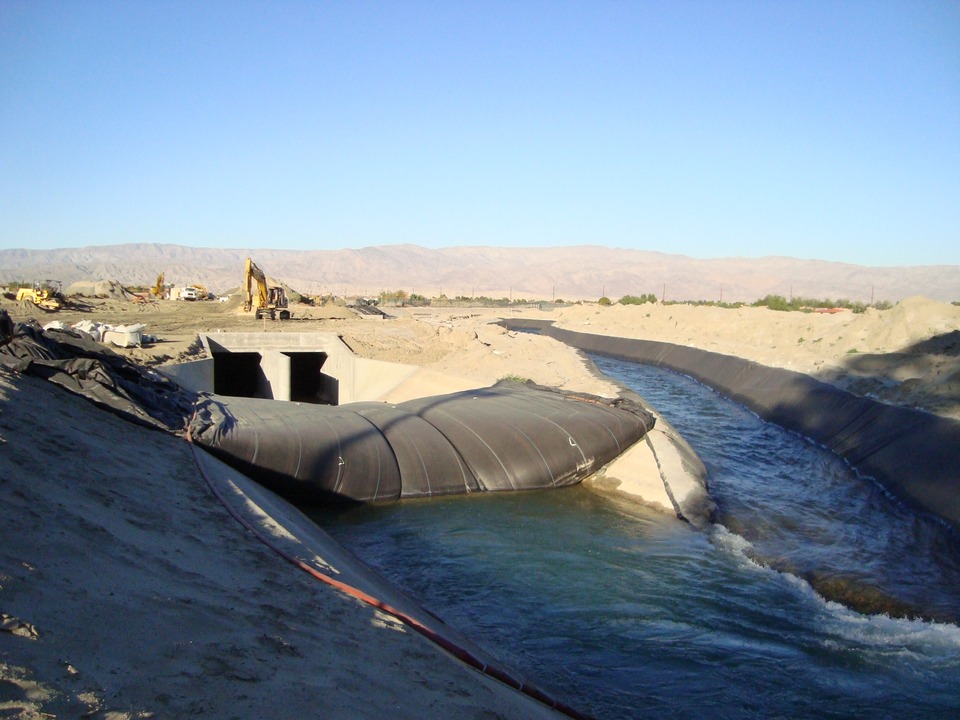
908	355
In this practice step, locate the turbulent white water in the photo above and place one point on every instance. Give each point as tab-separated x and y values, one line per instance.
814	595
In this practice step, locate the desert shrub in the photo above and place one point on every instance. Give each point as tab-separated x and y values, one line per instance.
774	302
514	379
804	304
484	301
706	303
635	300
394	297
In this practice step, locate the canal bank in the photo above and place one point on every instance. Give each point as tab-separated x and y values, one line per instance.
913	454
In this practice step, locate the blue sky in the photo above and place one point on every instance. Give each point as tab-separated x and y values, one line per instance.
811	129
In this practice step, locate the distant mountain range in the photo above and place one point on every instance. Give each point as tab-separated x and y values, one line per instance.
569	273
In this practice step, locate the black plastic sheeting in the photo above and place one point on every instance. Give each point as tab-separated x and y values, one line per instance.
914	454
507	437
77	362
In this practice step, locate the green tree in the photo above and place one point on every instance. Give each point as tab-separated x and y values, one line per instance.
635	300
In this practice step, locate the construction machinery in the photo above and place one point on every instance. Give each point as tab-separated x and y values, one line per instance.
158	290
269	301
42	296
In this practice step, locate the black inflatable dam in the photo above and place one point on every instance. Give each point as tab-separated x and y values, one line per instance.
507	437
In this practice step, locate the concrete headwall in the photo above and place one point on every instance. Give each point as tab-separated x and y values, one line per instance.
355	379
914	454
196	376
375	378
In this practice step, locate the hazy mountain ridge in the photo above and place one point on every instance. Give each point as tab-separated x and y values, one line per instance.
574	272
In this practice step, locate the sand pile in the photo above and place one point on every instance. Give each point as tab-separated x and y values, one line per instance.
99	289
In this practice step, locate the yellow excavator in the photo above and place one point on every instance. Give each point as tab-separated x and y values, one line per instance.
43	296
270	301
158	290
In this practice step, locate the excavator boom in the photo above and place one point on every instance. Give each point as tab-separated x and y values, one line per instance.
157	289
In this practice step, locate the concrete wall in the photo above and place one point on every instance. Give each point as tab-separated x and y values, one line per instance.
914	454
355	379
374	378
196	376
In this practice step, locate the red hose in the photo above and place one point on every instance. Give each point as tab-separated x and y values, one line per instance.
460	653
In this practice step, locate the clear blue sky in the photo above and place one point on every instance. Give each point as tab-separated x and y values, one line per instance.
824	129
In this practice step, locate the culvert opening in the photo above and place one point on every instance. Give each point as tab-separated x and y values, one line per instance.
299	377
308	382
239	374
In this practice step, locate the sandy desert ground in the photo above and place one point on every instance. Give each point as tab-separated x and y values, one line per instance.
128	591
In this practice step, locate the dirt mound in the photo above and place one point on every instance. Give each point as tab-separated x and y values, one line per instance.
911	321
99	289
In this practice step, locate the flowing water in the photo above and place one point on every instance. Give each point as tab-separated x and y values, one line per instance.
814	594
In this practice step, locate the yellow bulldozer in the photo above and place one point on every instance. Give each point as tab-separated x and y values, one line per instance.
41	296
270	301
